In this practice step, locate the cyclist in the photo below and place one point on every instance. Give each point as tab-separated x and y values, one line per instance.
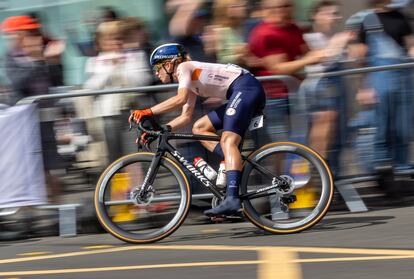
243	98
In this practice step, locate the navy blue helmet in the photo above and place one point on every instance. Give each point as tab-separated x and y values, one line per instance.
167	52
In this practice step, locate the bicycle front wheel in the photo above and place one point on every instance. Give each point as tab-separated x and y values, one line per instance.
300	208
152	220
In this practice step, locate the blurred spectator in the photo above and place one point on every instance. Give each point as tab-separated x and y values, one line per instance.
108	14
55	64
27	58
385	37
136	36
87	48
255	17
136	43
187	27
27	69
326	97
114	68
224	38
281	50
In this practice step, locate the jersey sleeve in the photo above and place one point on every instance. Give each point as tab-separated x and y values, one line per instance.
184	75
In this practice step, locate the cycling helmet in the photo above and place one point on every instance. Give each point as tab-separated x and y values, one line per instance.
167	52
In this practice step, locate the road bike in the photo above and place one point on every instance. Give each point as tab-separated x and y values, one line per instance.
144	197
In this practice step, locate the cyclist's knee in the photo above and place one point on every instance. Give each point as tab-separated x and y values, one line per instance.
202	125
229	140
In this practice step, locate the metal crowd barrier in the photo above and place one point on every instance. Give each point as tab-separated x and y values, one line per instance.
298	124
362	70
344	184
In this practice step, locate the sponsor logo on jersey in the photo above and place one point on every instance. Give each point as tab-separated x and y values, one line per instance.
236	101
220	78
231	111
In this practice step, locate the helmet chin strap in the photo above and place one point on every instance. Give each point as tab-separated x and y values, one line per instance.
170	74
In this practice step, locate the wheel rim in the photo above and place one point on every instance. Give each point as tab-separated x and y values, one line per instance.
268	218
142	223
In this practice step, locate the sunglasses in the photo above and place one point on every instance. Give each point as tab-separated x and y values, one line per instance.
157	67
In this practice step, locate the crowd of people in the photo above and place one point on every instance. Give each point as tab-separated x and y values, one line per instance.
262	38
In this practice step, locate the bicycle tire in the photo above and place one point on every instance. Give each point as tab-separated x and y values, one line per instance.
103	189
260	217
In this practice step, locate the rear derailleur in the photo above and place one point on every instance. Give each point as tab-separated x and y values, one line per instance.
284	191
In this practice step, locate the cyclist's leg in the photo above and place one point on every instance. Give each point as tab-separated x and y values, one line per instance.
209	125
230	143
245	101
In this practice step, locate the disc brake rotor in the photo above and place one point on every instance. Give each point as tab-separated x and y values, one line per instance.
144	199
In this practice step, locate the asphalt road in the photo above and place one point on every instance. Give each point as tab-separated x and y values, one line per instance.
374	244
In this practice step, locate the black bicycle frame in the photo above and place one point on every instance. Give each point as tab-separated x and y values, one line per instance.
164	146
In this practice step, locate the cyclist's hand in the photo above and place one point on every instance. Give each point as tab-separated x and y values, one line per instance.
144	139
137	115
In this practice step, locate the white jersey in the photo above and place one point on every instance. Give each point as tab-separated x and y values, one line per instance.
206	79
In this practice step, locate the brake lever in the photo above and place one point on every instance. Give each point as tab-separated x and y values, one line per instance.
147	147
139	144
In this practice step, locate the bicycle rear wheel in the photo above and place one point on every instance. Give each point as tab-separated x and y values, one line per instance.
278	212
143	223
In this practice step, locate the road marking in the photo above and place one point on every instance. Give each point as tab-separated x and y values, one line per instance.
121	268
385	252
71	254
273	261
278	261
353	259
97	247
128	248
33	254
352	251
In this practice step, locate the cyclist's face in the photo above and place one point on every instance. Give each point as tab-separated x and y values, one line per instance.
160	71
157	68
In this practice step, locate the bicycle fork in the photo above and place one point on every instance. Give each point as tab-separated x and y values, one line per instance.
144	193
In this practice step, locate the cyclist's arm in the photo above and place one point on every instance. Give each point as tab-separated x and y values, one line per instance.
172	103
184	119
